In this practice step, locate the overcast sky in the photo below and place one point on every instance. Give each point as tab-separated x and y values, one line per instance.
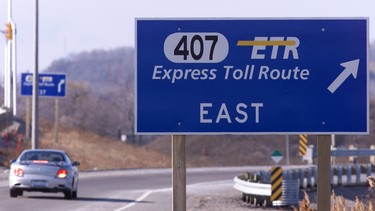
73	26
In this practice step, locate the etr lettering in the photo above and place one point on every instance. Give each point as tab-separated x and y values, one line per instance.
260	44
291	44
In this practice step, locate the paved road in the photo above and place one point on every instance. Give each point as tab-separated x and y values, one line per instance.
138	190
144	190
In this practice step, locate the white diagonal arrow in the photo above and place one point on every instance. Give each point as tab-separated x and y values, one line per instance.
351	68
59	86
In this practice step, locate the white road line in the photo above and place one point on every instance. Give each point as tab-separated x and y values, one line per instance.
141	198
148	193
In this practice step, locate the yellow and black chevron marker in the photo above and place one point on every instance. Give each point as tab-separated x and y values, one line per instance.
276	183
302	144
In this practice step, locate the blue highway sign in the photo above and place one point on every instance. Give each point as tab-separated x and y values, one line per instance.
50	85
252	76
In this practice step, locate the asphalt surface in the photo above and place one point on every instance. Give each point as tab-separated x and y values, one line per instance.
150	189
138	190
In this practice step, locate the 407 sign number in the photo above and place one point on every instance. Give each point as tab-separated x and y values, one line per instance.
196	47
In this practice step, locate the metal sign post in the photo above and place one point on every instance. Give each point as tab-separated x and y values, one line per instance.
178	172
324	166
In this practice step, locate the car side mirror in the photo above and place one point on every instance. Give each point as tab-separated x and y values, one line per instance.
12	161
75	163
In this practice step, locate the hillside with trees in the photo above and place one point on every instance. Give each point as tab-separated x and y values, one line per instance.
100	92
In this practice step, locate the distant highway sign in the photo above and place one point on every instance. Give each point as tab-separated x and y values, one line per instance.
50	85
252	76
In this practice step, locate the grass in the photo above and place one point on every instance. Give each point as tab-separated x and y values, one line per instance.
99	153
94	152
338	203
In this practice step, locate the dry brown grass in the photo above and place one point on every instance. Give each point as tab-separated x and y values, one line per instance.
98	153
305	204
11	152
338	203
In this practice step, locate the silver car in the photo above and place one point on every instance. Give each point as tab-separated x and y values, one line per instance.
43	170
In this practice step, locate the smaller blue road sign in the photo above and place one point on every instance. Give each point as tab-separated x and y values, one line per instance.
50	85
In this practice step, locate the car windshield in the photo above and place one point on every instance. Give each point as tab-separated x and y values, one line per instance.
44	156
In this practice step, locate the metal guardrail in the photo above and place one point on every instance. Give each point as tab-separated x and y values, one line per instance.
352	152
253	188
256	187
290	193
311	153
338	152
260	193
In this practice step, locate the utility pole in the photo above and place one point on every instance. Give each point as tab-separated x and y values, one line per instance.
10	74
56	125
28	119
34	135
14	71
